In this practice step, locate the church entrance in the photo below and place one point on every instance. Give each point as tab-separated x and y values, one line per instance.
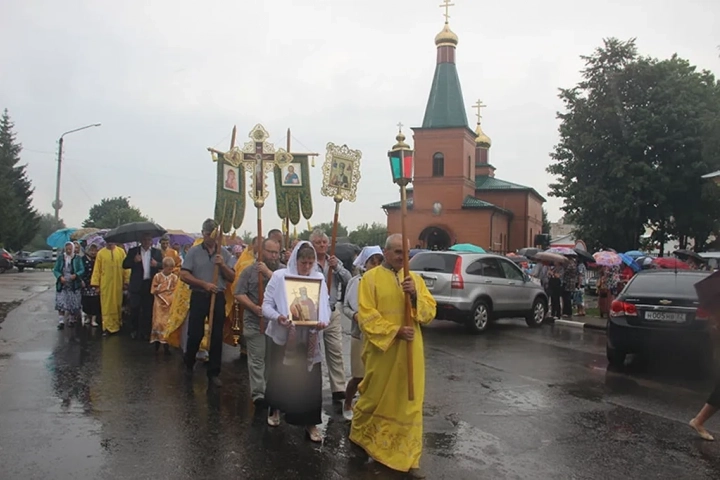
435	238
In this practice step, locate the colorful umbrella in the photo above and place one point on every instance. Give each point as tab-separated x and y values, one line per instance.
100	233
550	257
569	252
671	263
467	247
635	254
59	238
78	234
607	259
627	260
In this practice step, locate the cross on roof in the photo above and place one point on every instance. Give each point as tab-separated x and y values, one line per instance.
400	125
447	6
479	105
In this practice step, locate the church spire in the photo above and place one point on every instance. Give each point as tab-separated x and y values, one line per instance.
445	107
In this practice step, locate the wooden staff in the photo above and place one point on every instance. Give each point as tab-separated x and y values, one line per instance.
409	322
333	239
261	284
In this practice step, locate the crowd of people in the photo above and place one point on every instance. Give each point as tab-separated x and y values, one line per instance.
188	300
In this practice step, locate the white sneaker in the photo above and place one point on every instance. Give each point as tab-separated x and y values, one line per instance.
274	419
348	414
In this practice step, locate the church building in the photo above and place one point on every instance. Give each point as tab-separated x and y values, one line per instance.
455	195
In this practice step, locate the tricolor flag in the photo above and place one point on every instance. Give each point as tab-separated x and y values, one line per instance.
401	162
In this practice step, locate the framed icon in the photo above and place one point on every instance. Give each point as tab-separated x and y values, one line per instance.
303	296
231	178
292	175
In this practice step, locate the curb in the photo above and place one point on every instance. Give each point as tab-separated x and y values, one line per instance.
574	324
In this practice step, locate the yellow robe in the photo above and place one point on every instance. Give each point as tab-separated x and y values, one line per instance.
163	288
109	275
385	423
172	253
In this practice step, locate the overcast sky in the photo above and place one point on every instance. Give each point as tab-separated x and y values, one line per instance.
169	78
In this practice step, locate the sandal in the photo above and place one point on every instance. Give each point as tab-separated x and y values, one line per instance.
314	435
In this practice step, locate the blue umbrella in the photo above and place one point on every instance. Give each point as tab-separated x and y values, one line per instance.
627	260
467	247
635	254
59	238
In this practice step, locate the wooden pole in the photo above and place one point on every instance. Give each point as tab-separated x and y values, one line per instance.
409	322
261	284
333	240
287	213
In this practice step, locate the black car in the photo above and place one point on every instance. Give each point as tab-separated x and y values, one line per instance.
6	260
34	259
658	310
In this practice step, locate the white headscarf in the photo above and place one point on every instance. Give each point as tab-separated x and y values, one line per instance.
275	302
68	258
365	255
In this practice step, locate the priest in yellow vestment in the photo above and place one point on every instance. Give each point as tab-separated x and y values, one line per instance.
385	423
110	277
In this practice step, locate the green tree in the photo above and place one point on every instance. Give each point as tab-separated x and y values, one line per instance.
113	212
546	226
18	218
365	234
247	237
46	225
634	144
326	227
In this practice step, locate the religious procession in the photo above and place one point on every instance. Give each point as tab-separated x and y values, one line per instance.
279	299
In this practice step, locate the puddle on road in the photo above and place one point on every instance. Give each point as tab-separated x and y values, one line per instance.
37	356
466	444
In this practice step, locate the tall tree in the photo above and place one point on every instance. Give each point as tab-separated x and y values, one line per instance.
632	148
546	225
326	227
18	218
113	212
365	234
46	225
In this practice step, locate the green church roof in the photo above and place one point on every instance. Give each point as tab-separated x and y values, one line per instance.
445	107
485	182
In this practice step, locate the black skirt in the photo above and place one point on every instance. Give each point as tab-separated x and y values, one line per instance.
91	305
714	400
293	389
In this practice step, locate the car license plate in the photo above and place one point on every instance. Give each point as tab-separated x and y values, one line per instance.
665	317
429	282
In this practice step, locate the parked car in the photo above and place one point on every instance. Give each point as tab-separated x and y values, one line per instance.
658	310
34	259
474	289
6	260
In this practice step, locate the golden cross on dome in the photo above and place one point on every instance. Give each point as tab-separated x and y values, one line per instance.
400	125
479	105
447	6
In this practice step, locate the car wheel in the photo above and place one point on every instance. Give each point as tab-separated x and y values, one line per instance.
20	269
616	358
537	315
479	320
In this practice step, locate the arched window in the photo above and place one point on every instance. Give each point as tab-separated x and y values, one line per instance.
438	165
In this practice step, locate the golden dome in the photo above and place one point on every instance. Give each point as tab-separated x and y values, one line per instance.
401	145
482	140
446	38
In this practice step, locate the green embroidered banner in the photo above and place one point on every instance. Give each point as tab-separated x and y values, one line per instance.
292	190
230	196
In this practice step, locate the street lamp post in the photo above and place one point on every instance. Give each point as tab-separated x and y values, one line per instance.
57	204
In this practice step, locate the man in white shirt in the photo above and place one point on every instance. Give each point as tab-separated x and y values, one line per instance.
143	262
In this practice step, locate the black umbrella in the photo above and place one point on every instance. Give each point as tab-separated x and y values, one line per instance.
133	232
584	255
529	252
346	252
685	254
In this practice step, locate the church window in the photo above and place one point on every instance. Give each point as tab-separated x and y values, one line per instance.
438	165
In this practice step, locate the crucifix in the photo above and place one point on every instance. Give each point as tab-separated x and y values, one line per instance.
479	105
447	6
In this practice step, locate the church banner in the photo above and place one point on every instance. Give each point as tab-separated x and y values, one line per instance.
292	190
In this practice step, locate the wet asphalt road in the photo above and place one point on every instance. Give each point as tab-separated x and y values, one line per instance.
515	403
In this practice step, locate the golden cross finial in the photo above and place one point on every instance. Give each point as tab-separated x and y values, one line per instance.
400	125
479	105
447	6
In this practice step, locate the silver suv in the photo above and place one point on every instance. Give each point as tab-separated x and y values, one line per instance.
474	288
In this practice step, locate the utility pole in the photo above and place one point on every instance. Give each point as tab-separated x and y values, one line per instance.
57	204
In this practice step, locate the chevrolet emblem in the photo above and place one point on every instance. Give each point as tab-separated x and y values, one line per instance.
665	302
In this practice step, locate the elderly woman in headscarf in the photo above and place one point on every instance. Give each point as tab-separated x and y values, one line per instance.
369	258
68	272
90	294
294	374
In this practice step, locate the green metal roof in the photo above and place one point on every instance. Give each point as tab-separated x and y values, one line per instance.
485	182
397	204
471	202
445	107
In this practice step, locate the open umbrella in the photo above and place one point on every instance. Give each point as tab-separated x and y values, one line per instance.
584	256
79	234
634	254
686	254
59	238
627	260
179	237
550	257
645	262
529	252
346	252
607	259
518	258
569	252
671	263
133	232
467	247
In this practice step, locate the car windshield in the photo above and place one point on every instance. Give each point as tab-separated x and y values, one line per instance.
37	254
433	262
664	285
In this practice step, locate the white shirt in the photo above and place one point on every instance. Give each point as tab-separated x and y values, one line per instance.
146	262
